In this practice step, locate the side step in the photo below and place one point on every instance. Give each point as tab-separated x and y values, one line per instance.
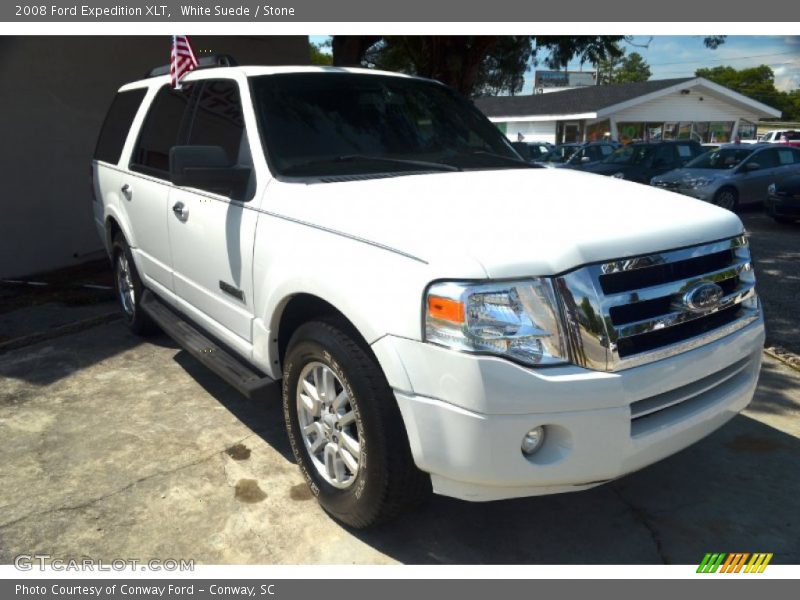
248	381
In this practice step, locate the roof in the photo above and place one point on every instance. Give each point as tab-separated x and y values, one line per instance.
600	100
255	70
575	101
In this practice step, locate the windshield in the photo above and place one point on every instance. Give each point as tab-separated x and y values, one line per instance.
328	124
560	154
631	155
720	159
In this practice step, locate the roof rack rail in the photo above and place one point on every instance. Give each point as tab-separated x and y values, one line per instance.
205	62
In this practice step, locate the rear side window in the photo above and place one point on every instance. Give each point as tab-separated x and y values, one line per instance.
786	157
163	127
117	124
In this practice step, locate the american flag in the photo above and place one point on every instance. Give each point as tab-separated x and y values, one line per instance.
181	59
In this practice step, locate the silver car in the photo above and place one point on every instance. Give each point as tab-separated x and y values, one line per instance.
734	174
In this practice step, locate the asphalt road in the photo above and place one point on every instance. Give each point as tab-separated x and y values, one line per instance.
776	254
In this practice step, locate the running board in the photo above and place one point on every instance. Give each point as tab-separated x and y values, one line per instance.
245	379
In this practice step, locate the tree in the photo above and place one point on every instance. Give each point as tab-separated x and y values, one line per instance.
476	65
473	65
623	69
319	56
633	68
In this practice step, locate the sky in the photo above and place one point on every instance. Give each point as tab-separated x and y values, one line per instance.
678	56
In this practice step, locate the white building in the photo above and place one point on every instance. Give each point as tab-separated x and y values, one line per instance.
686	108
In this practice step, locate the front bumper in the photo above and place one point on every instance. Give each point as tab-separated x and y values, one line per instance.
465	415
780	206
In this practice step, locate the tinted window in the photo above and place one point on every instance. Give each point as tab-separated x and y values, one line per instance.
766	159
218	121
163	128
724	158
117	124
320	124
634	154
665	155
786	157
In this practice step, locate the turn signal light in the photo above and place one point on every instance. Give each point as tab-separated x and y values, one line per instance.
445	309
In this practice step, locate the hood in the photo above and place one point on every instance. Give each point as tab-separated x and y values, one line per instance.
512	222
680	175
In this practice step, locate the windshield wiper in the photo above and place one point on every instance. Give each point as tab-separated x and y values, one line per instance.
510	159
386	159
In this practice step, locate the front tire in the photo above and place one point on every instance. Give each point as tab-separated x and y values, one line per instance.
727	198
129	288
345	428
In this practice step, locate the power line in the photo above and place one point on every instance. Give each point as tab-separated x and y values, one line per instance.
691	62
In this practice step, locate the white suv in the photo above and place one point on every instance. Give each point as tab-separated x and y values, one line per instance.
442	314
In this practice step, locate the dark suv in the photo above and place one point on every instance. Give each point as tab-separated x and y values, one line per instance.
641	161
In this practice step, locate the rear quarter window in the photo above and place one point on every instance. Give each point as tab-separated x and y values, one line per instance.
116	125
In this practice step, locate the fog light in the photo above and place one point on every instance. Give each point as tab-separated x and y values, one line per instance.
533	440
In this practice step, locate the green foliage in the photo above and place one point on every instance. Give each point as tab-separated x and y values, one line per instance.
623	69
477	65
633	68
757	83
319	56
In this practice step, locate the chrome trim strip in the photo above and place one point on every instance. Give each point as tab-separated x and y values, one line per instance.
686	345
679	317
650	260
676	287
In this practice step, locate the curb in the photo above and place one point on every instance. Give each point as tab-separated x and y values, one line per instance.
790	359
34	338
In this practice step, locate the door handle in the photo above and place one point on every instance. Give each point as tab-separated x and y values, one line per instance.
127	191
180	210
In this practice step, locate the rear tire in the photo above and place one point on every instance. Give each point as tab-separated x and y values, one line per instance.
339	410
727	198
129	288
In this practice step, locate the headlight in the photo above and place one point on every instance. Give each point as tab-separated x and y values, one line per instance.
699	182
619	175
517	320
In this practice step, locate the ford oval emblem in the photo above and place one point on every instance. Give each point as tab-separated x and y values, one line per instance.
702	297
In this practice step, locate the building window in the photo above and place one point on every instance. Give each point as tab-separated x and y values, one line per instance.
597	132
670	131
630	132
747	130
653	132
719	132
685	130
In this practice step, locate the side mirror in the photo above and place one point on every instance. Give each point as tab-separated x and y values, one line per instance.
207	168
752	166
585	160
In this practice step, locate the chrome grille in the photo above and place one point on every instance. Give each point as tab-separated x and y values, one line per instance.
637	310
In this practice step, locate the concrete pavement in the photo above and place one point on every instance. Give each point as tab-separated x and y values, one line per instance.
114	447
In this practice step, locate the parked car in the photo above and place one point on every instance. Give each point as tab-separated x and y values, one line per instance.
355	235
784	136
783	200
560	154
532	151
735	174
588	154
641	161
